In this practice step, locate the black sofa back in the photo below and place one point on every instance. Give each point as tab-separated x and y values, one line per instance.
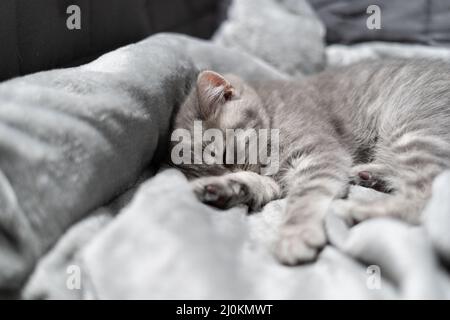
34	35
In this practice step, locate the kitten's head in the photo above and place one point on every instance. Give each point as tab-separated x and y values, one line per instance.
219	103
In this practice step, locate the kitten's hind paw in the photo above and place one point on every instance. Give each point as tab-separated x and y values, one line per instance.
300	244
369	176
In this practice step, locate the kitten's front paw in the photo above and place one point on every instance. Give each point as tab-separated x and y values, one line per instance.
300	243
219	192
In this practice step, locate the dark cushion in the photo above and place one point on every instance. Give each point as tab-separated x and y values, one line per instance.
34	35
414	21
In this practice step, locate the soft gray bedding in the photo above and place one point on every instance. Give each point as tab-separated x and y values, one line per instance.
166	245
72	140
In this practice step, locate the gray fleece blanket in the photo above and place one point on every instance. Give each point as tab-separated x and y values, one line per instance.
166	245
73	140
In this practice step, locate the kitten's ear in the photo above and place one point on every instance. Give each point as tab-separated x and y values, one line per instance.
213	89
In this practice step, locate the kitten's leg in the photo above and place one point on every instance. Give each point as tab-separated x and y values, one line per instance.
411	163
243	187
316	173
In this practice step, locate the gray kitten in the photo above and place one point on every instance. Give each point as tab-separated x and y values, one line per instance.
383	125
